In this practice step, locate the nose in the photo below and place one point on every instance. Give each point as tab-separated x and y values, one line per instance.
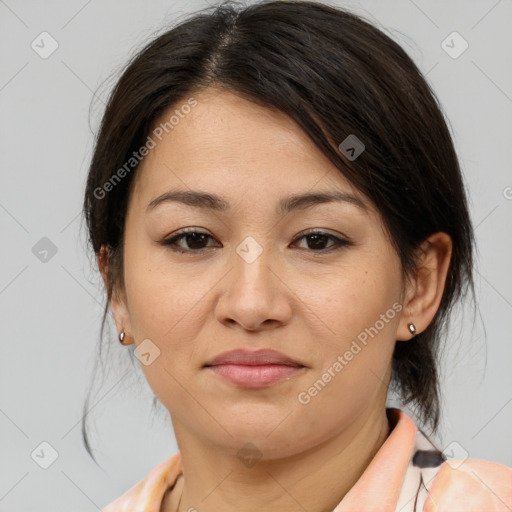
254	296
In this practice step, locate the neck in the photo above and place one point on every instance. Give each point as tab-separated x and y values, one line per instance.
315	480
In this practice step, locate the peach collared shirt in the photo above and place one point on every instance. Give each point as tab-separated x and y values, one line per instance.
408	474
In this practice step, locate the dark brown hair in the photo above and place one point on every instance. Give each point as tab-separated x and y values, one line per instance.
335	74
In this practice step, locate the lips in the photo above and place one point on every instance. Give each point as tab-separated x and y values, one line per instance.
259	357
254	369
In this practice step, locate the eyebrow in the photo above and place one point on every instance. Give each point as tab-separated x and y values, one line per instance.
208	201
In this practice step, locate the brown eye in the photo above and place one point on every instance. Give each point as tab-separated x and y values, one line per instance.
195	241
316	241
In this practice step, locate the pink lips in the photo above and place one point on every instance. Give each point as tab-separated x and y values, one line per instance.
253	369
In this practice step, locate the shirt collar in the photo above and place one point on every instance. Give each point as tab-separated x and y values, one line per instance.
378	488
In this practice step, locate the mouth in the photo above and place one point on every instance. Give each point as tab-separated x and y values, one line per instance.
254	369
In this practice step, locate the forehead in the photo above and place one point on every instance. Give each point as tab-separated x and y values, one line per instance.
229	145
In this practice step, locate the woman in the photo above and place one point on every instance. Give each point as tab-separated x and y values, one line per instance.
281	224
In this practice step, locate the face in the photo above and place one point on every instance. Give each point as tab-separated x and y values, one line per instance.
317	281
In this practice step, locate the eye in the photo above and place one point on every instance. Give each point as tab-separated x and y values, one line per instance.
193	238
318	239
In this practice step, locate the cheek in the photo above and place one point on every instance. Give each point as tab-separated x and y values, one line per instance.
348	300
356	314
166	309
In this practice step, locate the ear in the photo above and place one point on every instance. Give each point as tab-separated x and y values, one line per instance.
424	289
118	300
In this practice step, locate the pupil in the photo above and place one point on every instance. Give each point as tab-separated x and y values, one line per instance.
195	236
315	239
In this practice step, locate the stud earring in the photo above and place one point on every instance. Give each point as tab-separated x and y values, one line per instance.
121	337
412	329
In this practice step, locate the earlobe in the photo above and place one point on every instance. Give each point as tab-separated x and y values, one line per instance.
425	289
117	303
121	318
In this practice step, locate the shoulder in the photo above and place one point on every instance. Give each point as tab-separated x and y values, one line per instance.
148	492
470	485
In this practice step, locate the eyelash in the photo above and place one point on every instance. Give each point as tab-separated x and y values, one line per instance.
170	242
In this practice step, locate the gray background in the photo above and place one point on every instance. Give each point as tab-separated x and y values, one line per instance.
51	309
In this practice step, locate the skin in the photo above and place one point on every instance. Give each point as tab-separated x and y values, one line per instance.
300	298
